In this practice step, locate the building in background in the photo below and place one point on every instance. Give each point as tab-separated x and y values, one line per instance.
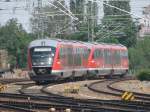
3	59
145	22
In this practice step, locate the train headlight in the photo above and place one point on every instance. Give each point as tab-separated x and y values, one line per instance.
50	60
34	63
52	55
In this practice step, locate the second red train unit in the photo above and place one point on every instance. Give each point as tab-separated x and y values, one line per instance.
50	59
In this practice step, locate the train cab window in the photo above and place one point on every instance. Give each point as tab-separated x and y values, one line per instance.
42	56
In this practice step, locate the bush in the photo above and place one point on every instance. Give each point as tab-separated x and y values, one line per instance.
144	75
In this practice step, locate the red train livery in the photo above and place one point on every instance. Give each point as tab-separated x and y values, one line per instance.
50	59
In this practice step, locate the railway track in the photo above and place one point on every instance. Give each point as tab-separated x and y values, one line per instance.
60	103
8	81
139	96
105	87
17	109
29	102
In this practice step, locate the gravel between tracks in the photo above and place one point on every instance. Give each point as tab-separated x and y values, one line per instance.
84	92
134	86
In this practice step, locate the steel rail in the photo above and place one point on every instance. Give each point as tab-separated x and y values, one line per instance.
117	92
69	101
15	108
30	105
135	105
59	101
140	96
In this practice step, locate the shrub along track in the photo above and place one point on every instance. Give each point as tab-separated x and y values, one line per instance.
36	102
105	87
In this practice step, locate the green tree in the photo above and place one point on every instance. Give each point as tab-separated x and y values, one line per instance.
118	24
86	12
140	55
15	40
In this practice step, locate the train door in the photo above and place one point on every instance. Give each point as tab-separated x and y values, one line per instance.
63	56
70	57
84	57
57	65
98	57
107	58
124	58
116	58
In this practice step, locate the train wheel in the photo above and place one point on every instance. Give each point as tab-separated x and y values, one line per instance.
85	77
123	74
39	82
111	74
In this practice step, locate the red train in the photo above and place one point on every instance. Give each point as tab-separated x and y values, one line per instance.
50	59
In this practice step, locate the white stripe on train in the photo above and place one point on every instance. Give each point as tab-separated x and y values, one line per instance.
56	71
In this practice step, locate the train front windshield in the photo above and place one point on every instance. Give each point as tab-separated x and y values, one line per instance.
42	56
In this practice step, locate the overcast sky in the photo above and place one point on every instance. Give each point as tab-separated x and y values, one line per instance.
23	15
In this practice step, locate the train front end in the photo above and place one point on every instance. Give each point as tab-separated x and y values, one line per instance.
40	59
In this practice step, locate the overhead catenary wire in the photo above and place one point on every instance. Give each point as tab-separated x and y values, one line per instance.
67	9
109	33
66	27
62	11
97	1
69	13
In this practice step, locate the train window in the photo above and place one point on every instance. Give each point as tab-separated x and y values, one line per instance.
89	50
70	59
85	54
79	57
117	57
42	56
124	54
60	52
95	56
97	53
75	56
107	56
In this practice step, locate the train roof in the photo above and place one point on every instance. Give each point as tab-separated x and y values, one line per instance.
53	42
43	42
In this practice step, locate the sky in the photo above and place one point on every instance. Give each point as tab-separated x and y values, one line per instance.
22	10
